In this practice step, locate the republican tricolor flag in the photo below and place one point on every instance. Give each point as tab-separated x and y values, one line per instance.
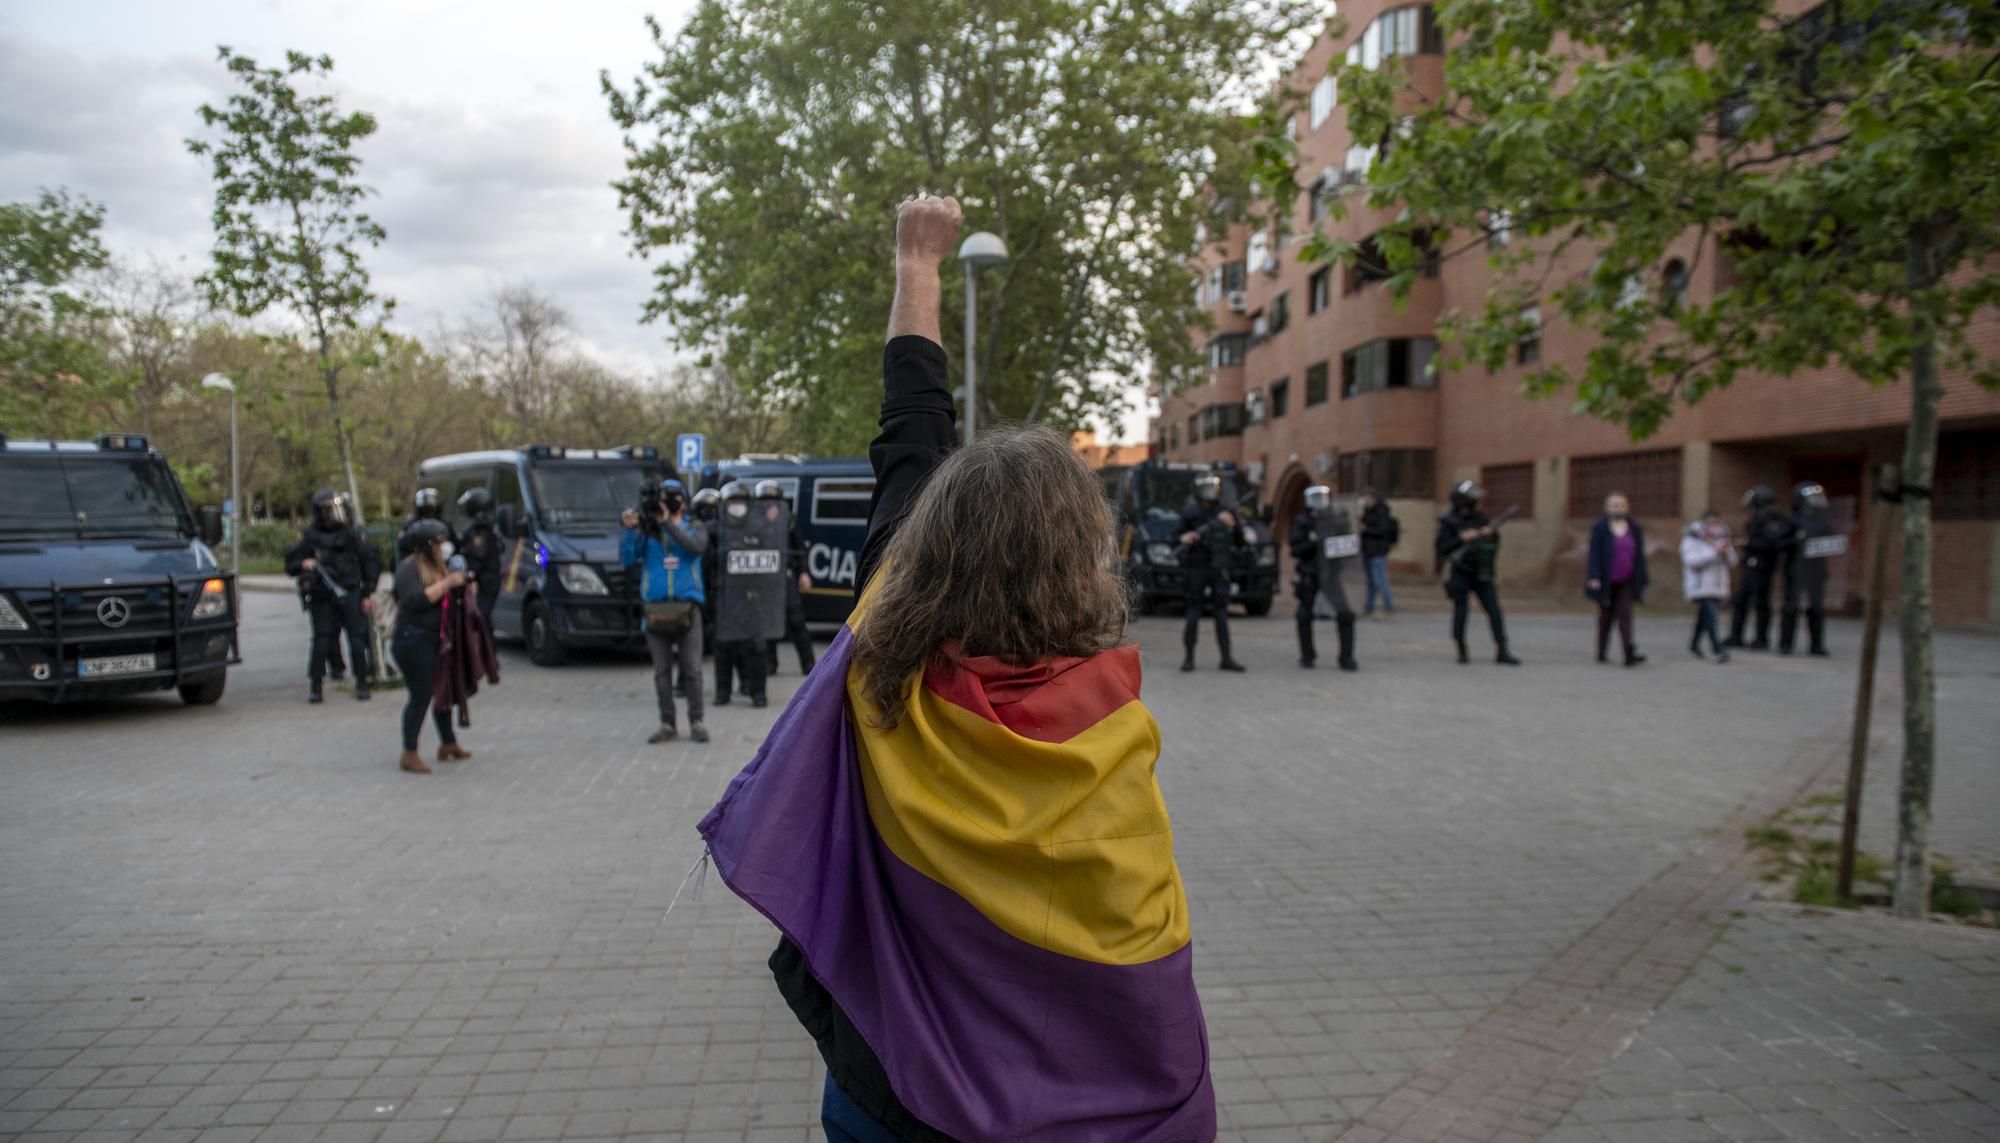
988	891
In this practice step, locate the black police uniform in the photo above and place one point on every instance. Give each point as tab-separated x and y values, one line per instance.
1304	542
485	554
1205	573
1472	572
348	567
795	606
1805	579
1765	540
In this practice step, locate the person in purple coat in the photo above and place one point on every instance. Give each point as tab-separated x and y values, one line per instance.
1615	576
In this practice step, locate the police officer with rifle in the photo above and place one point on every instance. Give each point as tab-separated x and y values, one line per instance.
1209	537
340	569
1814	541
1325	545
1765	540
1468	543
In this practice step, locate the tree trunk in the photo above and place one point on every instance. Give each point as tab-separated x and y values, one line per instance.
330	375
1913	808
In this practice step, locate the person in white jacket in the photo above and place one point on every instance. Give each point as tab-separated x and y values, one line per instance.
1707	554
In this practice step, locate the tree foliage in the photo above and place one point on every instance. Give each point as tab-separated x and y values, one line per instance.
52	369
289	228
768	144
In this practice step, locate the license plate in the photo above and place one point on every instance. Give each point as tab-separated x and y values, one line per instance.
115	665
755	561
1341	547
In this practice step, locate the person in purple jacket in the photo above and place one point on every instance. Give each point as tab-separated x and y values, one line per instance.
1615	576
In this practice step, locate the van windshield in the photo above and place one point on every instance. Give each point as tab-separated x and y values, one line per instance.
90	497
1162	493
590	493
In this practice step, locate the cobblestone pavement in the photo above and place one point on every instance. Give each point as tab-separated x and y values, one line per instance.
242	922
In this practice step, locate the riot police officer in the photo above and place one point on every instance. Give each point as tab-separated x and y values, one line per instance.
1324	543
705	504
796	582
1814	541
1208	540
1468	542
483	549
1765	539
426	504
341	569
752	608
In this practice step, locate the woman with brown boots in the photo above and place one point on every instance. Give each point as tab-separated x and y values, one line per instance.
422	582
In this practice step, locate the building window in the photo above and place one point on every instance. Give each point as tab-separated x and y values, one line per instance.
1388	363
1528	350
1316	384
1403	473
1319	290
1499	228
1371	263
1194	427
1510	486
1233	276
1316	196
1281	397
1674	284
1322	101
1221	421
1227	349
1650	480
1253	406
1398	32
1354	168
1258	254
1174	435
1280	313
1967	481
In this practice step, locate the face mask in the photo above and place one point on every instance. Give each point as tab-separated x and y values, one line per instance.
445	549
738	510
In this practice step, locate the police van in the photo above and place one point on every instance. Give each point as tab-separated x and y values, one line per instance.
1147	499
557	511
108	581
830	498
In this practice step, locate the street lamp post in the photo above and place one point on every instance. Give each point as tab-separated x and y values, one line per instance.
218	381
981	249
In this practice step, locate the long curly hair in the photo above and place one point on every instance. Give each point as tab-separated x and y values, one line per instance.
1006	552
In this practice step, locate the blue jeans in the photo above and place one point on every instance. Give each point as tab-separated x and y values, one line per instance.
1378	581
846	1123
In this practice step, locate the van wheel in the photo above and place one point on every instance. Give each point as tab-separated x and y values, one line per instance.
544	649
1257	606
204	692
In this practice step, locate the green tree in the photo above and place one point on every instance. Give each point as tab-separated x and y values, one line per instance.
768	144
54	377
289	229
1845	163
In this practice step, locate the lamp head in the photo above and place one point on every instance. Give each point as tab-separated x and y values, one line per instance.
218	381
982	249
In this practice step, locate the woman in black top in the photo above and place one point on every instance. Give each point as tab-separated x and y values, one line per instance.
422	581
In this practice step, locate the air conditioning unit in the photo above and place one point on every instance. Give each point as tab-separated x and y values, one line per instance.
1270	265
1238	301
1329	178
1259	328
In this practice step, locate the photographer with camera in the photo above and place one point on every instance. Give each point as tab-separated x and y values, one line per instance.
661	537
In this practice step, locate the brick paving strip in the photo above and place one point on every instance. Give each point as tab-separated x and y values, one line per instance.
1513	1075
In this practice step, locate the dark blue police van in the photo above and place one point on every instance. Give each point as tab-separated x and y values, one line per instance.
830	498
557	512
1147	499
108	581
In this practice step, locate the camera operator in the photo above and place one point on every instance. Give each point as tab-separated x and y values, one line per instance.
660	536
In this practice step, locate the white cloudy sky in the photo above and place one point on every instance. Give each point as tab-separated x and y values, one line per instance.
492	160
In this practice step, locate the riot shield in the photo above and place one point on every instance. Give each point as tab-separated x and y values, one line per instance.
752	583
1339	549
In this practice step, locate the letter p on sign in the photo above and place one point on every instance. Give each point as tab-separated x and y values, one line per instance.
690	448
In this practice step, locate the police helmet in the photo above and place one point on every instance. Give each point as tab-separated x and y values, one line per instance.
423	533
475	501
1759	498
736	490
706	498
329	509
427	502
1319	498
1467	494
1808	495
1208	488
769	490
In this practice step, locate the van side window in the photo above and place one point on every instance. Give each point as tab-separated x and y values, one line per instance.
507	489
842	501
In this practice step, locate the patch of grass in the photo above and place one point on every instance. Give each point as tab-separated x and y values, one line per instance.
1951	898
1829	798
1818	884
1768	836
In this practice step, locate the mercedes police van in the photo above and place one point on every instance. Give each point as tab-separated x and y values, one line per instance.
557	511
1147	499
108	584
830	498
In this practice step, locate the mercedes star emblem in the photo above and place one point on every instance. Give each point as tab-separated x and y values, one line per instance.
113	611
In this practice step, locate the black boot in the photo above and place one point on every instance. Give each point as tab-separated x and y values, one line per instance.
1505	657
1187	660
1788	632
1345	623
1816	631
1228	662
1462	656
313	693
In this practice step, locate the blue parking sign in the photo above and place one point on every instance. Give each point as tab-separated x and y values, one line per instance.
690	448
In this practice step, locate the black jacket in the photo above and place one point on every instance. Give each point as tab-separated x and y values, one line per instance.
484	554
1379	530
348	559
1216	540
1768	534
1474	565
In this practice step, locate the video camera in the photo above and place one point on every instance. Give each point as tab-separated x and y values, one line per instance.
656	505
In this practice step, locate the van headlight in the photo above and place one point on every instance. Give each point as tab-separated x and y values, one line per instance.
581	579
1162	554
10	619
213	602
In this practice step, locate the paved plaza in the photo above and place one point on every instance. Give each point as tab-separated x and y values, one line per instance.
1430	902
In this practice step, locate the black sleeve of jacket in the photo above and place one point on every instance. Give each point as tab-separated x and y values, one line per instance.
919	429
299	553
1448	540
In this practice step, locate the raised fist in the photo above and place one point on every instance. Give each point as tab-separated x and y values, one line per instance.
926	231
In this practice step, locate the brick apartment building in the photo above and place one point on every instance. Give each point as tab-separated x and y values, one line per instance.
1313	376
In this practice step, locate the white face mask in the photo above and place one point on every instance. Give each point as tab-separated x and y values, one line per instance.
445	549
738	510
